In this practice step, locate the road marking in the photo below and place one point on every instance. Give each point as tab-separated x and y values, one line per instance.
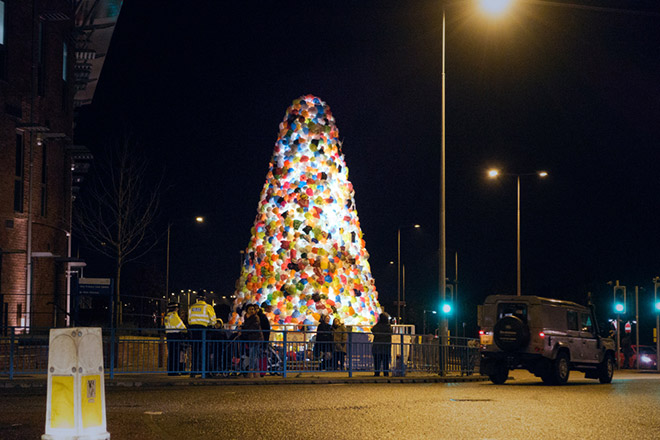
470	400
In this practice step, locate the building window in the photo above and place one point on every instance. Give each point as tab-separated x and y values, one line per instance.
19	155
44	180
44	201
18	177
2	22
3	46
44	163
572	319
64	58
41	65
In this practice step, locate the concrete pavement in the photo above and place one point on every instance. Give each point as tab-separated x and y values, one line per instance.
38	382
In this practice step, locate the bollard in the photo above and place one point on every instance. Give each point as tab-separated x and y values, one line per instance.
75	406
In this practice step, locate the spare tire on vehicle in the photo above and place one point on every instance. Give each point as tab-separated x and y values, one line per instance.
511	333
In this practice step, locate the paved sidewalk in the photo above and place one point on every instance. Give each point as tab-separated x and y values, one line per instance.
38	382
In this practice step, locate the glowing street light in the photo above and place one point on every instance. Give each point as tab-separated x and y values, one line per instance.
494	173
442	279
495	7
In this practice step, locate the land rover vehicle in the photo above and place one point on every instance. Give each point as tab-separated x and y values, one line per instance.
546	336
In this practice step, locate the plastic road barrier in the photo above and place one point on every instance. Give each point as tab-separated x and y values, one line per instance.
75	407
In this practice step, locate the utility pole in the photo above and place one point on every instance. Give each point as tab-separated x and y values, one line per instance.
656	282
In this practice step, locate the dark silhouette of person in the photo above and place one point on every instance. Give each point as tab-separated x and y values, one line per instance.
626	347
381	348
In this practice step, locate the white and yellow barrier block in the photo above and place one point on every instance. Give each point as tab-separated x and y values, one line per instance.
75	409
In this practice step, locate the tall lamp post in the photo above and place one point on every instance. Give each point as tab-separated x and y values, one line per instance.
398	276
493	173
656	305
494	8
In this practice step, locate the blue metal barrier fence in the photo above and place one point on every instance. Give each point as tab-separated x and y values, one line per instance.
225	353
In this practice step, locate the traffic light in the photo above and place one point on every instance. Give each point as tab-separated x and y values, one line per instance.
446	308
620	299
657	306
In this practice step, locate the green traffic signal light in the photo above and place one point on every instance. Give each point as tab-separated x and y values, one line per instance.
657	306
618	307
446	308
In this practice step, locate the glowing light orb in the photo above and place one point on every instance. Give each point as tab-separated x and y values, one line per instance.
306	256
495	7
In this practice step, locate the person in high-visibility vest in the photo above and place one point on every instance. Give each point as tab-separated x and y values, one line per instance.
175	330
200	317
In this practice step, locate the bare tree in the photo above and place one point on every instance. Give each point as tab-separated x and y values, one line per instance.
115	217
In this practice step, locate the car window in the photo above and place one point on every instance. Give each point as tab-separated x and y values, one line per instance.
572	320
512	309
585	323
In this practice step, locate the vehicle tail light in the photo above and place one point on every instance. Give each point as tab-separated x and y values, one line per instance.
541	335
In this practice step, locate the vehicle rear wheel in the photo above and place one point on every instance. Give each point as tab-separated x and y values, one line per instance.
559	370
606	369
500	375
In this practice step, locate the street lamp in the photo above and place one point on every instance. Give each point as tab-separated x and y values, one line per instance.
494	7
167	266
486	5
493	173
398	276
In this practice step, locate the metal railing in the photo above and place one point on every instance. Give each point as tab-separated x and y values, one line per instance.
220	352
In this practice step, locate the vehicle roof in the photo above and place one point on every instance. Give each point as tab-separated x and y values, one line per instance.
532	299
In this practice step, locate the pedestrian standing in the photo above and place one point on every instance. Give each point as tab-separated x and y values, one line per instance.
175	331
339	337
264	323
200	317
251	335
381	348
216	342
626	347
324	342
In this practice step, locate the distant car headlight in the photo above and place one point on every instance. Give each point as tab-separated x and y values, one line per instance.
645	359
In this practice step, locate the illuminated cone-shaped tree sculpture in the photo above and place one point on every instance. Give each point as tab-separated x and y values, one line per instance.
306	256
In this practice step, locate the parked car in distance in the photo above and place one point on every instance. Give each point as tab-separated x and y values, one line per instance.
648	358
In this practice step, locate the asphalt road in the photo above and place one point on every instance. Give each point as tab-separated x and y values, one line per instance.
523	408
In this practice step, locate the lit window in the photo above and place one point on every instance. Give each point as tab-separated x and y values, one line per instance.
2	22
64	56
3	47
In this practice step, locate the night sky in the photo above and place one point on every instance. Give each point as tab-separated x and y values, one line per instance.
575	92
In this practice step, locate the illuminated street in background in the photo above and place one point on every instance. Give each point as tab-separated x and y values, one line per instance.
523	408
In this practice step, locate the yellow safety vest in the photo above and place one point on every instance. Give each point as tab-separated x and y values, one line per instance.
173	323
201	313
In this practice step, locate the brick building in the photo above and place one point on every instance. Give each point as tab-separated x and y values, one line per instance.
46	56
